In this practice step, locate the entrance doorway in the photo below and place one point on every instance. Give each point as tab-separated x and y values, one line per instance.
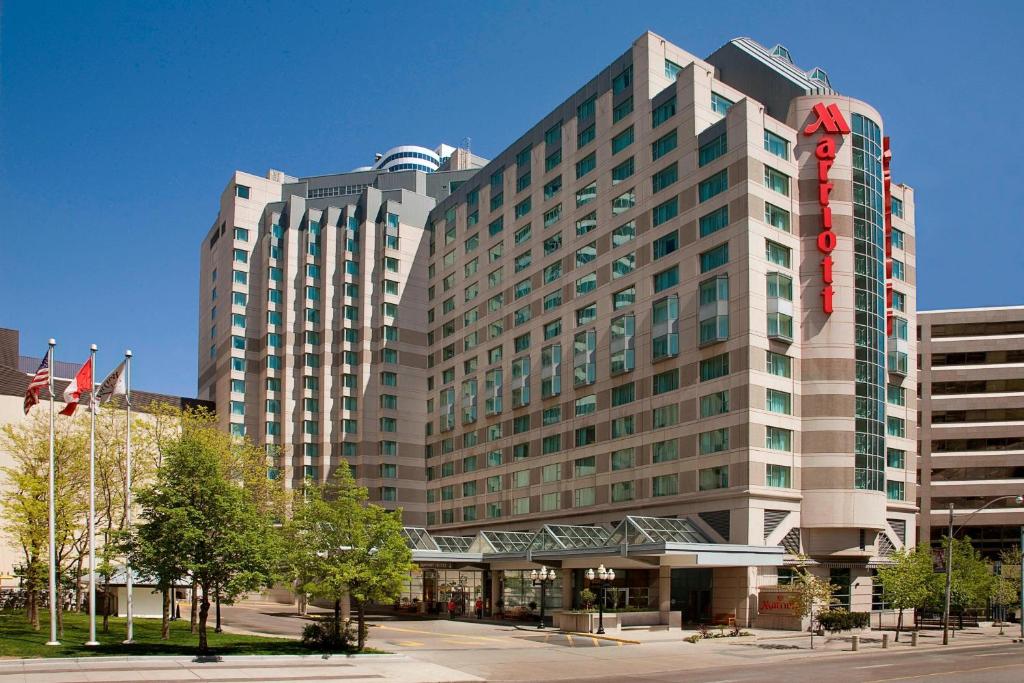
691	594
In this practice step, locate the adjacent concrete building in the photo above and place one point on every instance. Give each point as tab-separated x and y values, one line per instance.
15	372
971	374
686	294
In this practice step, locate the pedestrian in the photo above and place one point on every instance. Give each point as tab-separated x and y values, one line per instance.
451	608
479	608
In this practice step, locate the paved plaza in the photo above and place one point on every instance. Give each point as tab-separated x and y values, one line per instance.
467	650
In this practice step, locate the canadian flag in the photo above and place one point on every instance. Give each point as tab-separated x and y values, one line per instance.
81	382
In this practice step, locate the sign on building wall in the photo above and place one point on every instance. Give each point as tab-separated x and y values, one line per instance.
831	120
782	602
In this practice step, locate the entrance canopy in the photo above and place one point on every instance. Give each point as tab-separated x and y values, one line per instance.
635	541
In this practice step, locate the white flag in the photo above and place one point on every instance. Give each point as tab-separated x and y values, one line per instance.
113	385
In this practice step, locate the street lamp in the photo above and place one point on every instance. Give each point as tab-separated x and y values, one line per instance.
949	563
602	579
542	579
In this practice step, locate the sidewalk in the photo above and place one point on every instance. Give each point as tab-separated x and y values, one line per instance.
254	669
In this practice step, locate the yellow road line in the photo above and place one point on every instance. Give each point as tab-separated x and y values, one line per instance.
441	635
571	642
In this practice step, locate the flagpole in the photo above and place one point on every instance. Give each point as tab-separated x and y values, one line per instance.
92	497
52	512
128	484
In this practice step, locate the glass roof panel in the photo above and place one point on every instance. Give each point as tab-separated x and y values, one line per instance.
454	544
417	538
578	536
668	530
508	541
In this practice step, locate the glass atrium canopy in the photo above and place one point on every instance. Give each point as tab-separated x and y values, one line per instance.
642	530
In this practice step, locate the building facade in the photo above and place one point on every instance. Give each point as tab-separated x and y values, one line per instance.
687	292
15	372
313	319
971	373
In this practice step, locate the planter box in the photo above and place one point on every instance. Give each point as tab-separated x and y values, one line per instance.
584	622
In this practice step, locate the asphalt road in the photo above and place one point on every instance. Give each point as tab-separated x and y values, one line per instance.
1002	663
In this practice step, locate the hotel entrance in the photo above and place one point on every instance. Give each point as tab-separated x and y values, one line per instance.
691	594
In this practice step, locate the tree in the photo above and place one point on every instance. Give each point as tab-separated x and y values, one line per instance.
972	581
341	547
812	594
25	506
196	519
1006	588
907	582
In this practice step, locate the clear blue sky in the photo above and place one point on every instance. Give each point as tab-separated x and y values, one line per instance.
121	122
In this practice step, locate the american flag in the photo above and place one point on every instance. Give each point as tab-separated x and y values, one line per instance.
40	380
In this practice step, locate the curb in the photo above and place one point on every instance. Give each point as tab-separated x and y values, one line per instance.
604	637
55	661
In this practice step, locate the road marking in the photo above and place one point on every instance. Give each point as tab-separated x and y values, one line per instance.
408	643
440	635
569	638
873	666
996	654
943	673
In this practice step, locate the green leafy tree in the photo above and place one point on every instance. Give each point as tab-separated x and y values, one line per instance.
1006	586
24	502
812	594
907	582
342	547
197	519
972	581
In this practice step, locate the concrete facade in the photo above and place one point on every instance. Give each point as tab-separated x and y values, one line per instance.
621	314
972	423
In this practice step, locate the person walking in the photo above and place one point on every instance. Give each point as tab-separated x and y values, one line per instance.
479	608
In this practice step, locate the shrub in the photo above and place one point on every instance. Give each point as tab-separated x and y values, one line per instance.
588	598
320	636
692	639
837	620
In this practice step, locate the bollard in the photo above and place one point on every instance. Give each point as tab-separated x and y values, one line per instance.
913	639
885	641
856	642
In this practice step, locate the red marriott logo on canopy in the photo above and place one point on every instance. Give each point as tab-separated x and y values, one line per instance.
831	120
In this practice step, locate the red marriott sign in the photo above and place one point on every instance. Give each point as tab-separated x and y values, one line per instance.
831	120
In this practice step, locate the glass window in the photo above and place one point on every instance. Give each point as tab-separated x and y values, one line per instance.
777	254
665	245
623	81
776	180
665	326
779	476
777	401
584	467
720	104
775	144
622	110
778	439
664	145
714	404
623	234
622	140
586	165
714	185
665	211
624	298
663	112
665	381
710	151
666	279
624	202
714	221
714	258
776	216
665	485
714	367
623	171
896	458
665	451
713	441
713	478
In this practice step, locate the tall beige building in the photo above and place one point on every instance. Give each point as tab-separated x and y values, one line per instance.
686	293
971	367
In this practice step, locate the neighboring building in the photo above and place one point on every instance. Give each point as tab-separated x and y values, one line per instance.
312	318
672	297
15	372
971	440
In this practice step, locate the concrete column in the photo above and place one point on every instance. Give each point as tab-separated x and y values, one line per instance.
497	576
665	595
566	587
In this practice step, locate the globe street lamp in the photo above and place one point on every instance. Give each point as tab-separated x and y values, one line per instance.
949	563
603	580
542	579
